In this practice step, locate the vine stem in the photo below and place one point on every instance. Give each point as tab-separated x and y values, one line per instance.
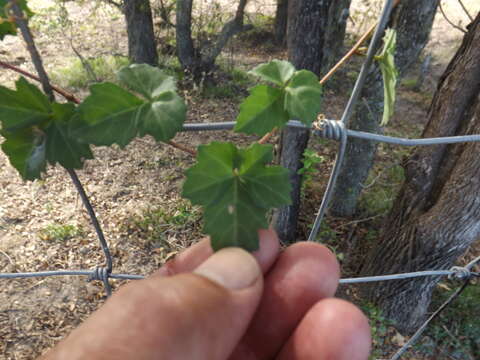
22	23
448	20
93	217
353	50
62	92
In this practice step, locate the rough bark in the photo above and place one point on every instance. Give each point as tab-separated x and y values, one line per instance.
315	33
141	39
436	215
413	21
281	18
200	61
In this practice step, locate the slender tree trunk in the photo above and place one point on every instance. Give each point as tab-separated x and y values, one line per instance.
185	49
200	61
413	21
281	18
310	24
141	39
437	213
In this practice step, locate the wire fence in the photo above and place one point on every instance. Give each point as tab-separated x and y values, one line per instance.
330	129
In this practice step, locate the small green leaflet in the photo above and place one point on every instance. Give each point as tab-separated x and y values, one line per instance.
276	71
7	26
23	107
303	97
297	96
262	111
25	149
236	190
114	115
386	61
60	146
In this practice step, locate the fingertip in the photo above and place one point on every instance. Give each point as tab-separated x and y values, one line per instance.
269	248
332	329
319	260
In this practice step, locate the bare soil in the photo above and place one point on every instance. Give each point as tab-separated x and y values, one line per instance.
136	191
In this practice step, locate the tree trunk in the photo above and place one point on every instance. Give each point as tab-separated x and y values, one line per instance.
185	49
141	39
412	36
310	22
436	215
200	62
281	17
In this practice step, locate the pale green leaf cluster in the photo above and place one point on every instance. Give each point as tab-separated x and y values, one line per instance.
296	95
386	61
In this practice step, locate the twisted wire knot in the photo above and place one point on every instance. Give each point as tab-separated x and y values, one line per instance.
102	274
460	273
329	129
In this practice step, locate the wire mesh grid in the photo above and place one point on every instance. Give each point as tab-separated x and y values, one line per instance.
330	129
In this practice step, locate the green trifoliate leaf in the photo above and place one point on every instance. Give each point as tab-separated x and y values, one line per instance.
146	80
26	151
386	61
303	97
7	24
236	190
61	147
262	111
113	115
23	107
276	71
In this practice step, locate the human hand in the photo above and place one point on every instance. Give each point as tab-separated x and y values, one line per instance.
219	306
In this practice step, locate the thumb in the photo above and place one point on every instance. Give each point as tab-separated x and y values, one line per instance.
199	315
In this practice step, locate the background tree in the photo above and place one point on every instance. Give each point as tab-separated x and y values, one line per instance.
413	21
315	38
281	21
437	212
200	60
141	39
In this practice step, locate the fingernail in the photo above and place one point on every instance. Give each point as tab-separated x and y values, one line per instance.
232	268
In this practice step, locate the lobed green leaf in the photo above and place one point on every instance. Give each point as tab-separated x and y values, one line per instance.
236	190
112	114
23	107
61	147
278	72
303	97
25	149
146	80
262	111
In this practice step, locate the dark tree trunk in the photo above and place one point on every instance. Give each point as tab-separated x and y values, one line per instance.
281	18
413	21
141	39
335	33
310	23
437	213
200	61
185	48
